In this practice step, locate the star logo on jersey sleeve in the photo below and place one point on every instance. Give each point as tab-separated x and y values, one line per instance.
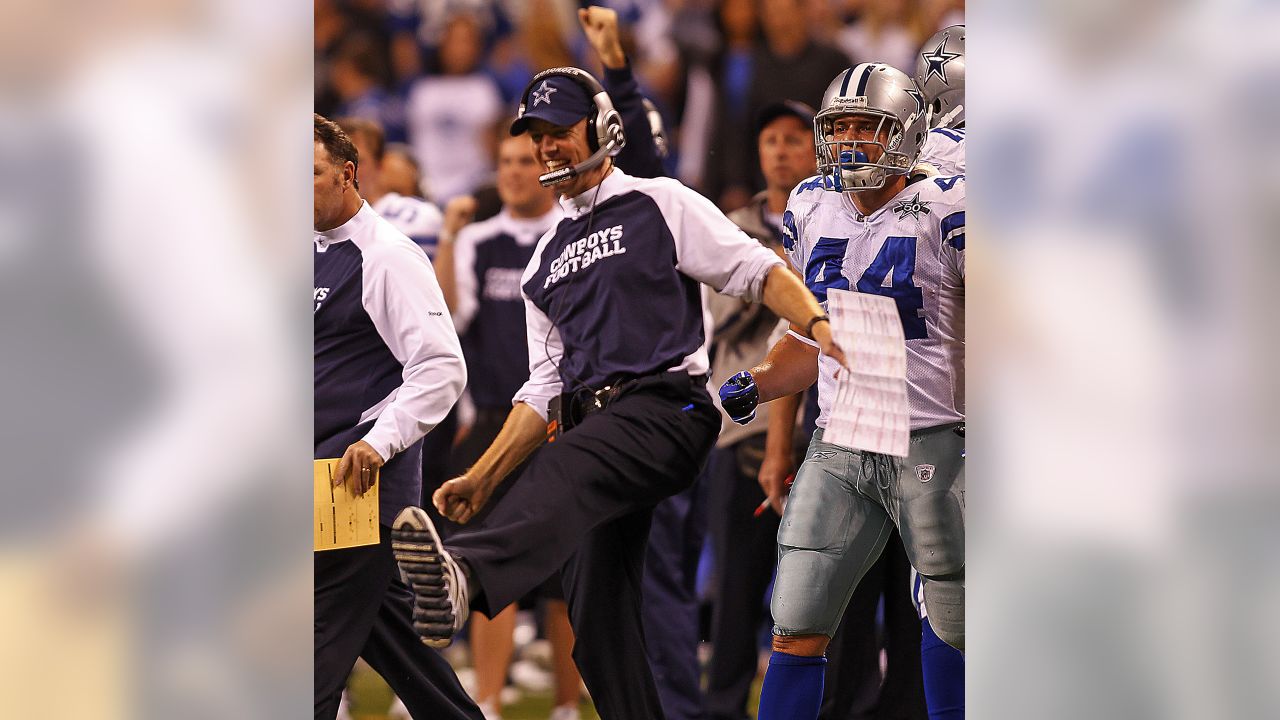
542	94
915	207
938	59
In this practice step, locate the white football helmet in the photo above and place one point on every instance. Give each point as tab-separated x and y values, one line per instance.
940	76
880	91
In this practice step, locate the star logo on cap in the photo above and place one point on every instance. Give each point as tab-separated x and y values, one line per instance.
542	94
938	60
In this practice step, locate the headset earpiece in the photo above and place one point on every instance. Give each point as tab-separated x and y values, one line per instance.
604	124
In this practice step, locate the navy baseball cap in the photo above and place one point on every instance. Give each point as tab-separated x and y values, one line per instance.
773	111
558	99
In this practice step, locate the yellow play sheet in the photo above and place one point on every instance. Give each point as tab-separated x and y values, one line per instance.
342	518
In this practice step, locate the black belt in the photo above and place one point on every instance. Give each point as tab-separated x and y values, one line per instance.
572	408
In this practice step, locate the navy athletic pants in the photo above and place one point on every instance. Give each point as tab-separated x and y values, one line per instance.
362	609
585	504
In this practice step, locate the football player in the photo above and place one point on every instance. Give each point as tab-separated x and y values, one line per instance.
940	78
863	223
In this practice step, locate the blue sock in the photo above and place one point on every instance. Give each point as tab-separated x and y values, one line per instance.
792	687
943	668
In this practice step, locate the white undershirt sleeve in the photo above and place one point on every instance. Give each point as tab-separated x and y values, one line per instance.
407	308
544	345
709	247
465	280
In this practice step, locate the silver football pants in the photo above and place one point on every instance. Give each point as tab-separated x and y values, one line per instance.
843	506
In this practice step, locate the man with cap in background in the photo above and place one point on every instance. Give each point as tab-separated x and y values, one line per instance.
742	534
618	365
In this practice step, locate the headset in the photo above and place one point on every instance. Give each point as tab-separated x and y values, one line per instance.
605	137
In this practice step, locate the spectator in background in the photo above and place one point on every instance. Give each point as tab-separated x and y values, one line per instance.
451	116
540	41
745	540
411	215
336	25
937	14
726	175
790	64
358	75
400	171
888	31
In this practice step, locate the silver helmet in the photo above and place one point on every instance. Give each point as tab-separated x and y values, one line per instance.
879	91
940	76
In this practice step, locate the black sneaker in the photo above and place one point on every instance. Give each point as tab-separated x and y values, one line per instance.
439	586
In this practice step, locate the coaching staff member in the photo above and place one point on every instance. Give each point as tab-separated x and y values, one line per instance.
615	332
388	367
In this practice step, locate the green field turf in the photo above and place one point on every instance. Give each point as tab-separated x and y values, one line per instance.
370	698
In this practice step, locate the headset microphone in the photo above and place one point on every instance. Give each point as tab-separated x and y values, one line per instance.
564	174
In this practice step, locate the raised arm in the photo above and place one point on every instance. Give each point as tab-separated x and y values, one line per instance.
640	157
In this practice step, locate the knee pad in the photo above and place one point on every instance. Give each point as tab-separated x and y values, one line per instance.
932	528
805	600
944	600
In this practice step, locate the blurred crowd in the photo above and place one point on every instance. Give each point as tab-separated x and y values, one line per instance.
441	75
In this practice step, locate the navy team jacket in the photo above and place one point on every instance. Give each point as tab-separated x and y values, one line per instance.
612	290
388	365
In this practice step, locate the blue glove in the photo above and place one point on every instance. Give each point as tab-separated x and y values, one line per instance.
739	397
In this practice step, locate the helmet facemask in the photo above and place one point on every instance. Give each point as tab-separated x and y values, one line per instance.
846	163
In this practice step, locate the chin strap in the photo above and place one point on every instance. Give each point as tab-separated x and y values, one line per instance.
946	120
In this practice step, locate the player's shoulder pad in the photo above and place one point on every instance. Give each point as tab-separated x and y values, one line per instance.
946	189
811	188
390	244
398	200
945	196
953	134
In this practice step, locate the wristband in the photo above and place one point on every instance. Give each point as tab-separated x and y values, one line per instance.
808	329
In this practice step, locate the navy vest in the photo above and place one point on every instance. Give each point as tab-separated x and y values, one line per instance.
608	282
354	370
494	345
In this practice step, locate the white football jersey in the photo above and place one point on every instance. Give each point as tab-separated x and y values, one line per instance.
911	250
944	149
415	217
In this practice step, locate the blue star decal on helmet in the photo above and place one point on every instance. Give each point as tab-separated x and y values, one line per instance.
542	94
914	207
918	97
938	59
